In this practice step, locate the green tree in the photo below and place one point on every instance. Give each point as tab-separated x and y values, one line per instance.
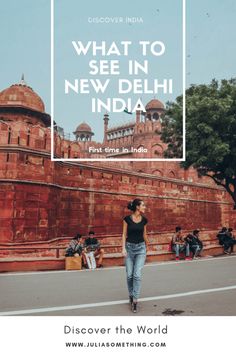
172	129
210	132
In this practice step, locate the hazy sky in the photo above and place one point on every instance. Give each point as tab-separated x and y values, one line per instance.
25	47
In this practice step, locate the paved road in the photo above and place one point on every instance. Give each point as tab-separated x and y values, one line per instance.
204	287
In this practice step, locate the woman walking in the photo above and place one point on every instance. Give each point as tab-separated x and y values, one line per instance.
134	248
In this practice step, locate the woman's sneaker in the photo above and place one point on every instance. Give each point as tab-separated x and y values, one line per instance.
134	307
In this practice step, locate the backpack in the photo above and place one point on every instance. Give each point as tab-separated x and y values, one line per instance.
191	240
69	252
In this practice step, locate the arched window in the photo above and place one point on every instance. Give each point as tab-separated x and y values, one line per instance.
171	174
157	173
155	116
157	150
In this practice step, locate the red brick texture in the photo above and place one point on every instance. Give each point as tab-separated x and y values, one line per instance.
41	200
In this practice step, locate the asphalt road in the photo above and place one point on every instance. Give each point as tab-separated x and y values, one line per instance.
205	287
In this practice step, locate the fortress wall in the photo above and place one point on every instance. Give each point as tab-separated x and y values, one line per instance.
41	200
57	200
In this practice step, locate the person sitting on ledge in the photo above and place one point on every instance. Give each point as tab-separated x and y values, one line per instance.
75	247
200	243
226	240
91	244
230	234
195	243
179	244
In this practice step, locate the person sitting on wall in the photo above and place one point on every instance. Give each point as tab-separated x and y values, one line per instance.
231	235
226	240
91	244
75	247
200	243
195	244
179	244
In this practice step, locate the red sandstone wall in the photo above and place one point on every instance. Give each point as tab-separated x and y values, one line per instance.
83	198
229	216
65	198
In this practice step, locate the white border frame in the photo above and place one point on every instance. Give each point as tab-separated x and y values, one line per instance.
118	159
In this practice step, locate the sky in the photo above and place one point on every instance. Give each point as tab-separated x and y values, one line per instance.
25	48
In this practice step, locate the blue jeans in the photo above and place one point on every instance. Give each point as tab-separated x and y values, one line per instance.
135	260
181	248
196	249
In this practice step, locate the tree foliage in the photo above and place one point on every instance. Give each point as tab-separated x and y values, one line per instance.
210	131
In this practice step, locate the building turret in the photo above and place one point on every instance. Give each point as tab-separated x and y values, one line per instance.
83	132
138	115
154	110
106	120
20	102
